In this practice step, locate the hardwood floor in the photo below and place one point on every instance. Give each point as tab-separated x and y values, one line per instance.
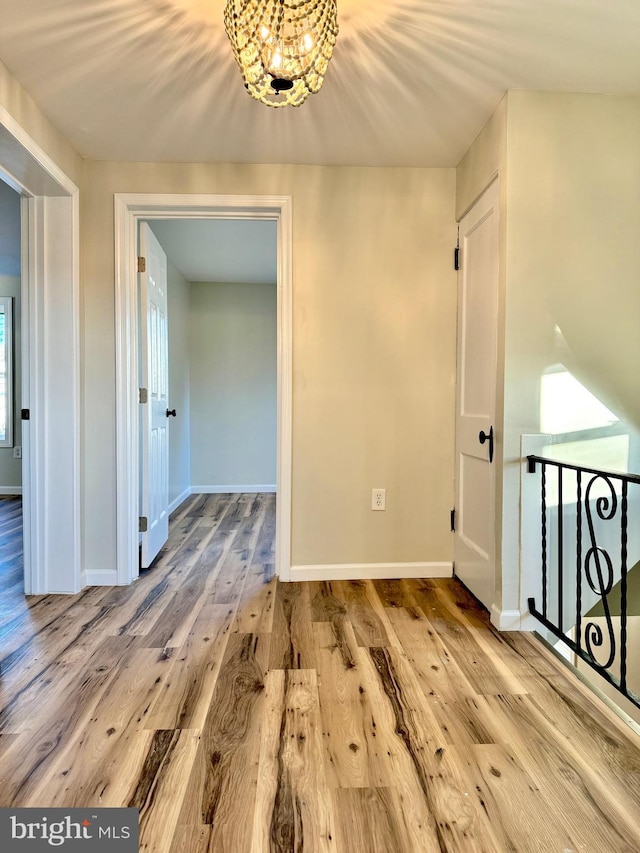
240	714
11	567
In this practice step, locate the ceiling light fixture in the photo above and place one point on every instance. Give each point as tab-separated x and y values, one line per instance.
283	47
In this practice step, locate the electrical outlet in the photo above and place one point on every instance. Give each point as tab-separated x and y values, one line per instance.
17	453
378	499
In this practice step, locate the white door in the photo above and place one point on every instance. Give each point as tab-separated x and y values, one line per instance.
154	377
476	397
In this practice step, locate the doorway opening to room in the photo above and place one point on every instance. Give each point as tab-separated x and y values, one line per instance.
131	211
48	406
208	373
12	585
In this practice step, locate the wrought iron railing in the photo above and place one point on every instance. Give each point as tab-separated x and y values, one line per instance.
583	558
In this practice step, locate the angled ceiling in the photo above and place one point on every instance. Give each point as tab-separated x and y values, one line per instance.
220	250
411	81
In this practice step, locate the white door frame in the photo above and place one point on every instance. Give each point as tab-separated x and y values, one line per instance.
130	208
50	362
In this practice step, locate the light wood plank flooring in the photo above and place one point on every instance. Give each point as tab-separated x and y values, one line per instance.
11	566
240	714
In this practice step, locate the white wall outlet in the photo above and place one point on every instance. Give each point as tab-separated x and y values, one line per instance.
378	499
17	453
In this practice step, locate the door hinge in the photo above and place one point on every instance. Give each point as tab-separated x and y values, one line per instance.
25	414
142	264
453	519
143	524
144	395
456	253
453	567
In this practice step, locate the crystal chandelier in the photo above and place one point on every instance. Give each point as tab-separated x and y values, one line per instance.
283	47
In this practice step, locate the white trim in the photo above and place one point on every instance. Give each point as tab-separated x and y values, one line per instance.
127	450
43	168
218	490
506	620
365	571
50	373
100	577
129	209
11	491
232	490
284	389
175	503
33	522
50	390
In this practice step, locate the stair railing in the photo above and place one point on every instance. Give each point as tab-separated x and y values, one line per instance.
578	572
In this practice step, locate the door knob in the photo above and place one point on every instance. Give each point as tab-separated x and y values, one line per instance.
482	437
171	413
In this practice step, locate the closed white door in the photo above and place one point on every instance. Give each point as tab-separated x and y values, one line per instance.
476	397
154	377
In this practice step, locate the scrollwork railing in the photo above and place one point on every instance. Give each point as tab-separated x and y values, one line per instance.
569	595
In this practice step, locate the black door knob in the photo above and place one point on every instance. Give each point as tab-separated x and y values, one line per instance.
482	437
171	413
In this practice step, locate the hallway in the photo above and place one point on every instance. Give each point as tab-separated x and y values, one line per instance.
240	714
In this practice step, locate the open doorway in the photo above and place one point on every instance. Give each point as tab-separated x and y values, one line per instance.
11	527
50	392
130	211
217	424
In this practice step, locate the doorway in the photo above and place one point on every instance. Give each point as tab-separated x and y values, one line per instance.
11	529
50	386
209	287
130	211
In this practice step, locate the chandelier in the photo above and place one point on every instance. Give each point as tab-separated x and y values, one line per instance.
283	47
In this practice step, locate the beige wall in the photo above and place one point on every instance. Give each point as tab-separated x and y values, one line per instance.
374	299
178	314
574	252
233	364
31	118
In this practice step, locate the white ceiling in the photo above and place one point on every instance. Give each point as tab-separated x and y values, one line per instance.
220	250
411	82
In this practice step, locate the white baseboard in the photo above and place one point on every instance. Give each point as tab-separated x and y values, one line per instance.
365	571
234	490
506	620
217	490
10	490
177	501
99	577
